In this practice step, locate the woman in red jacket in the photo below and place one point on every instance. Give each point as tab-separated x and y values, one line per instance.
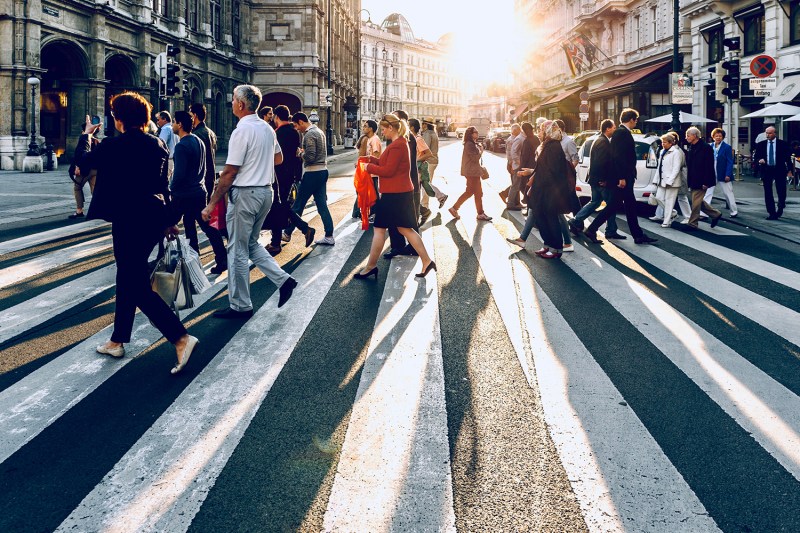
396	205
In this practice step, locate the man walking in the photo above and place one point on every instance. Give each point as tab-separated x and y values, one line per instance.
209	138
513	203
164	121
315	178
515	131
253	152
600	171
85	143
188	192
774	158
700	176
287	173
432	140
620	187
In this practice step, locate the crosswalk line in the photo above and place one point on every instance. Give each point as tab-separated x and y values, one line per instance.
771	271
593	433
38	208
160	484
394	470
760	405
52	260
28	241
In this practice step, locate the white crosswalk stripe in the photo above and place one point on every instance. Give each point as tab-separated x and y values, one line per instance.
393	470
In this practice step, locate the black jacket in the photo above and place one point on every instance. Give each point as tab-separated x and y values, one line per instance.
783	155
623	156
131	181
188	176
209	138
527	157
289	140
82	147
551	192
700	165
600	168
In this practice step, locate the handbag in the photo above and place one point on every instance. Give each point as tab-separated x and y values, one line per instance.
217	220
170	278
484	171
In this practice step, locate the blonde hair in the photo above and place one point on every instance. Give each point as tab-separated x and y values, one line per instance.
394	122
668	137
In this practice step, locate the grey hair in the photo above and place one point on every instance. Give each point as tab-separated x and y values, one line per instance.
540	121
516	125
694	131
249	95
668	138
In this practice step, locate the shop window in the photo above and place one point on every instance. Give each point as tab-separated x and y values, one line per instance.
715	48
794	23
754	34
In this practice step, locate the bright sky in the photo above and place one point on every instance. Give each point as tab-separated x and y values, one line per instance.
480	50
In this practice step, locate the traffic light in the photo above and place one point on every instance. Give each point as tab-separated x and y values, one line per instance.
719	83
732	78
173	68
732	43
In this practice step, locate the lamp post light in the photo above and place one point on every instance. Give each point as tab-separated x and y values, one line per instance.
33	148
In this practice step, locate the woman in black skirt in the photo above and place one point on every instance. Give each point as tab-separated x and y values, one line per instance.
396	205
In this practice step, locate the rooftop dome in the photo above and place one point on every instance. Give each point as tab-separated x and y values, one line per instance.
398	25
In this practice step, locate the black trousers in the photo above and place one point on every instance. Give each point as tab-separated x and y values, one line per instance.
616	200
133	242
396	240
281	189
777	175
190	209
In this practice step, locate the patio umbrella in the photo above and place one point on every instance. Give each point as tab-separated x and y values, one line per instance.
775	110
685	118
795	118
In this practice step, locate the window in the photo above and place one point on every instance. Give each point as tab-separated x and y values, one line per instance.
754	34
637	31
236	33
715	49
191	14
216	20
794	23
161	7
653	24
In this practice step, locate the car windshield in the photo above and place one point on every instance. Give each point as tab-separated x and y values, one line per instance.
644	151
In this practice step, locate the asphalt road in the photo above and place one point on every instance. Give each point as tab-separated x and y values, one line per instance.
621	388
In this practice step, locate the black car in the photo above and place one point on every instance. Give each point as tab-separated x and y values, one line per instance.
496	140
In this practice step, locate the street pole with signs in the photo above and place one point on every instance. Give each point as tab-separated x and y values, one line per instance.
676	60
328	128
584	109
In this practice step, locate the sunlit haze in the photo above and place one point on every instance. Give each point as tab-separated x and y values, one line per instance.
486	42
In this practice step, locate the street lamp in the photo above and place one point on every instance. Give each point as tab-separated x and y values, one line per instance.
328	129
33	148
375	77
676	121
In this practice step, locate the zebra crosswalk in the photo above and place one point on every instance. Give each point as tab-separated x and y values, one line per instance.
622	388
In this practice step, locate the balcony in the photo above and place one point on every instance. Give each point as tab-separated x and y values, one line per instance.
607	8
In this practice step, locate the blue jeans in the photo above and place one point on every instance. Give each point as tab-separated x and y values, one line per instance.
531	221
313	184
589	208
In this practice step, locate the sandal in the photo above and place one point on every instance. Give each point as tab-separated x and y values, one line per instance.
484	216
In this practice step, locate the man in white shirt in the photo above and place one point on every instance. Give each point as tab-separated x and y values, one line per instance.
253	152
164	121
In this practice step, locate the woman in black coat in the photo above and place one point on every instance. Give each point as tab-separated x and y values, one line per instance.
550	191
131	192
471	170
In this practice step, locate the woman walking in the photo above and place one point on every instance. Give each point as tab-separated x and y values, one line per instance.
670	176
550	191
131	189
471	170
396	205
723	166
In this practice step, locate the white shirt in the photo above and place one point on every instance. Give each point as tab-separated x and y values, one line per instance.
252	148
168	136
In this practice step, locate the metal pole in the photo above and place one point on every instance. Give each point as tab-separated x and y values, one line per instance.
33	148
676	120
328	129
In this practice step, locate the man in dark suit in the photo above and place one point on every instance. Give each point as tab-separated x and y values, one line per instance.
599	171
700	176
774	157
620	187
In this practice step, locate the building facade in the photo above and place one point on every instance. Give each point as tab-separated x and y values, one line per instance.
86	51
400	71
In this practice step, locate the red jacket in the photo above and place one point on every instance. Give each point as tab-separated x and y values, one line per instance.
393	168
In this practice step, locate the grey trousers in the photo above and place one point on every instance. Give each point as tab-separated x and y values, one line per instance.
247	209
517	185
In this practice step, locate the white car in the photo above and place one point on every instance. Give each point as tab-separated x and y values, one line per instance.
647	149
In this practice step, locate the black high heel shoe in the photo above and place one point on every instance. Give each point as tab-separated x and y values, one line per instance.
431	266
373	272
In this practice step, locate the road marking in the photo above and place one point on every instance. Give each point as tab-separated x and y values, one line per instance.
52	260
161	483
759	404
29	241
616	488
37	207
394	470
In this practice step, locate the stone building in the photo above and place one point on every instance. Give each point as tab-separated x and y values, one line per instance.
86	51
399	70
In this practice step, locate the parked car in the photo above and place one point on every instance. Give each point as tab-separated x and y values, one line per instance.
496	140
647	149
581	137
460	131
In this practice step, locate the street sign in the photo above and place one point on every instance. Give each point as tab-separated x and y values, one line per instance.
584	108
325	97
584	96
583	117
762	92
160	64
681	88
763	66
763	83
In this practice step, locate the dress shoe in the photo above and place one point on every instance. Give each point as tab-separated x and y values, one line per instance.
372	273
773	217
549	254
442	200
616	235
273	249
592	236
219	268
76	215
117	352
715	221
779	213
229	313
187	353
431	266
644	239
309	233
286	291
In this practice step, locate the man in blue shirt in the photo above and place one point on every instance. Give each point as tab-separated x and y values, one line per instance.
164	121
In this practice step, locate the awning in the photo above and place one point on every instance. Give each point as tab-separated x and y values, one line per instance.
630	78
560	97
786	91
518	112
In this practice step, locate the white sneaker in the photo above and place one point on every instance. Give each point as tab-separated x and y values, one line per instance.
286	237
326	240
655	219
568	248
